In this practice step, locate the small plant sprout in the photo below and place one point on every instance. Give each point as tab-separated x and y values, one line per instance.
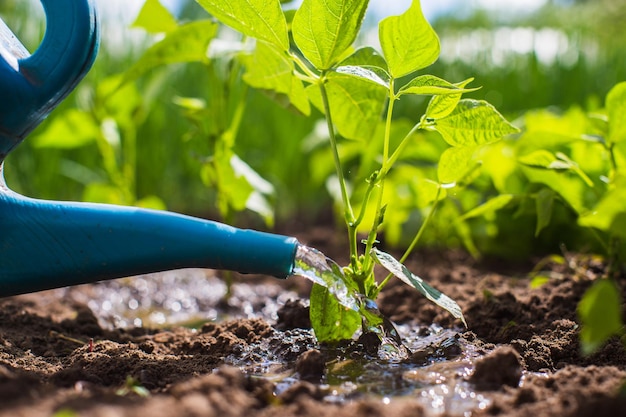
358	90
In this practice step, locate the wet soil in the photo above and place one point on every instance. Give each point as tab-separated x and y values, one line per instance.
62	354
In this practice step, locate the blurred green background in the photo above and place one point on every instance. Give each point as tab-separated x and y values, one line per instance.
150	151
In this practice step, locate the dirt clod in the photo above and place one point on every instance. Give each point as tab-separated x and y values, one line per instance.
310	365
502	367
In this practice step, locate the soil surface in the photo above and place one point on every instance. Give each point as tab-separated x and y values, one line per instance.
62	354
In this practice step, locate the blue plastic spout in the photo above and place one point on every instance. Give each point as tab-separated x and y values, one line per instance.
50	244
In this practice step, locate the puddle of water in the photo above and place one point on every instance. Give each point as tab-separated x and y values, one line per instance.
434	375
187	297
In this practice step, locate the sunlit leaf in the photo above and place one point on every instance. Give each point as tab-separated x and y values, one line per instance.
408	41
261	19
268	68
330	320
473	122
257	201
454	164
494	204
355	104
610	208
434	295
367	57
104	193
543	159
432	85
71	129
325	29
558	162
544	204
372	74
151	202
155	18
441	106
600	313
538	281
616	107
427	191
187	43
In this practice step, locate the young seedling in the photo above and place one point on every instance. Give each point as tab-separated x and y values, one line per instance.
353	88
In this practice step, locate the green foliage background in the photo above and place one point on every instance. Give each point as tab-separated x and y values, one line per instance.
161	153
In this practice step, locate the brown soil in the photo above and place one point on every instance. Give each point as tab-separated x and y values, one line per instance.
525	343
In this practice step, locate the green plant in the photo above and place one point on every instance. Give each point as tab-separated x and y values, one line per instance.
566	173
583	167
216	119
132	386
353	88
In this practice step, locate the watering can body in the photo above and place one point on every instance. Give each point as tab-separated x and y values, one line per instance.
48	244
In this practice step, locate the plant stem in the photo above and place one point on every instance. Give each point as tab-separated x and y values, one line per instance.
396	154
310	75
348	212
371	238
613	160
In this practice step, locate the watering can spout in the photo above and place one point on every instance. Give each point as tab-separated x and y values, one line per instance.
50	244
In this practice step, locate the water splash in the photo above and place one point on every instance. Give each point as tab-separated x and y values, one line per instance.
391	347
318	268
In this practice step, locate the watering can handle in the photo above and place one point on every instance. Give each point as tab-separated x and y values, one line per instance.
31	86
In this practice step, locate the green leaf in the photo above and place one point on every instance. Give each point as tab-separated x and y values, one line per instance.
600	314
431	85
151	202
71	129
489	206
559	162
616	107
355	104
104	193
330	320
538	281
325	29
473	122
434	295
408	41
608	211
544	203
543	159
155	18
234	190
260	19
257	200
366	57
441	106
454	164
269	69
426	191
372	74
188	43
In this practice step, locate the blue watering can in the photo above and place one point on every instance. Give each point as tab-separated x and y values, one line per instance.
50	244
